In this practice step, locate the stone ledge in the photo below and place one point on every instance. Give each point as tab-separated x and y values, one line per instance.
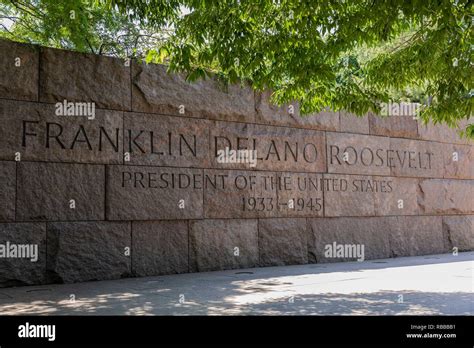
19	66
81	77
156	91
443	133
393	126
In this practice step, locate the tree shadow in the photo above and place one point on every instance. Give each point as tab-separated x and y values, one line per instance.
367	288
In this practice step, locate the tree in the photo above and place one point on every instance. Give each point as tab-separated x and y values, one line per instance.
80	25
351	55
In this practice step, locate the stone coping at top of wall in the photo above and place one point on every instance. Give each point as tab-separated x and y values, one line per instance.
138	189
49	75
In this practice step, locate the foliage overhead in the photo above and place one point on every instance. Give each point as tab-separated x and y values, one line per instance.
341	54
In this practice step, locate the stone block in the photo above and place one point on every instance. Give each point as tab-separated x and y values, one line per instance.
355	195
153	193
270	113
416	235
223	244
444	133
240	194
398	197
85	251
348	195
7	190
277	148
22	254
58	191
357	154
353	124
416	158
38	134
18	71
166	141
282	242
156	91
393	126
324	120
80	77
371	233
300	194
458	232
159	247
458	161
438	196
289	115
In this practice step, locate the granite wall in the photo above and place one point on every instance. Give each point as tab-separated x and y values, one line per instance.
138	190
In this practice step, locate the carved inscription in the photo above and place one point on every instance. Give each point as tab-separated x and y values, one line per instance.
298	172
350	155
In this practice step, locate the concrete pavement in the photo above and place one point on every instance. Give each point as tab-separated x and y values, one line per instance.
422	285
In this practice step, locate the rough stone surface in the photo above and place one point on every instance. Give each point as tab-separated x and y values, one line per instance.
443	133
342	198
278	148
458	161
23	271
372	233
289	115
153	193
45	191
438	196
458	232
223	244
166	141
7	190
417	158
324	120
402	199
79	77
393	126
355	195
353	124
144	174
18	71
416	235
357	154
159	247
240	194
300	195
37	134
156	91
84	251
269	113
282	242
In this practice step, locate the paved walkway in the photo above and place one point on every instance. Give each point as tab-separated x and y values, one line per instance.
422	285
